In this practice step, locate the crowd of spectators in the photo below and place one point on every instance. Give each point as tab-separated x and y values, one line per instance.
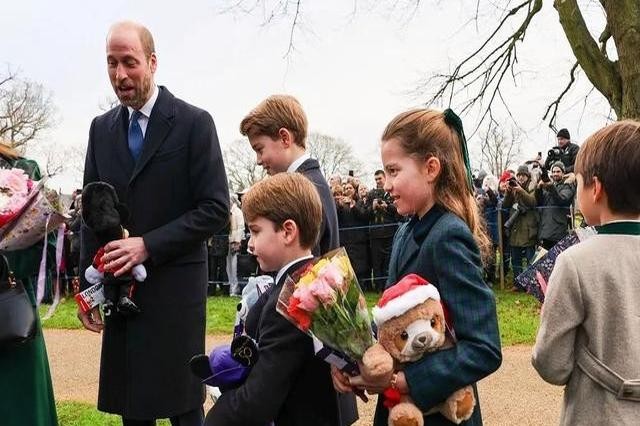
532	204
530	208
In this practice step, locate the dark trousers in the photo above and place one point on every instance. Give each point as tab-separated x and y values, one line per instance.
380	254
518	255
490	267
190	418
217	273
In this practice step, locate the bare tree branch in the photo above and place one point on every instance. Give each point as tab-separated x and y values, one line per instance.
498	150
483	70
555	104
240	164
25	110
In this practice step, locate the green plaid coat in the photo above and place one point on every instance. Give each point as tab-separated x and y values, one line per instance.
440	248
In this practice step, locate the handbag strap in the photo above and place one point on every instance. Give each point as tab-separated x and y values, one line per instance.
10	279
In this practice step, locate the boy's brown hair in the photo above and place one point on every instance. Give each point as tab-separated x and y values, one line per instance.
613	155
274	113
286	196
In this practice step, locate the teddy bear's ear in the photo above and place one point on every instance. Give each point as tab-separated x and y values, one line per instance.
200	366
123	211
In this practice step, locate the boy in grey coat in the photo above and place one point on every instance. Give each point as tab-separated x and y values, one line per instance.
589	336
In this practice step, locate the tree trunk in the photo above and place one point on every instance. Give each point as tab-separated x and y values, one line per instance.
603	73
623	18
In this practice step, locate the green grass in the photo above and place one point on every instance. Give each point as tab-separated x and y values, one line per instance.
518	315
81	414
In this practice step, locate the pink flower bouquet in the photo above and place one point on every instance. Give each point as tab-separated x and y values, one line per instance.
323	299
14	193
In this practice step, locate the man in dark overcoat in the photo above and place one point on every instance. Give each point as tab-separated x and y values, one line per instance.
163	157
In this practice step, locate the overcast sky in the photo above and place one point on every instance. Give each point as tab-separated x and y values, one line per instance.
352	73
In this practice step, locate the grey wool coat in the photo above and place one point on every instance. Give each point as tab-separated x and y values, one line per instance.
591	316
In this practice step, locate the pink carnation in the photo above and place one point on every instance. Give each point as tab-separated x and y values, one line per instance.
333	276
308	302
323	291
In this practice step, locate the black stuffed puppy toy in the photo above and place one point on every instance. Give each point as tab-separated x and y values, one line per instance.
104	215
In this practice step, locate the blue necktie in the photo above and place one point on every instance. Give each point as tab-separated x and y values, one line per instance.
136	139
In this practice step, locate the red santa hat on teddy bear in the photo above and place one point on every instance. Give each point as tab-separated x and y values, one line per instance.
407	293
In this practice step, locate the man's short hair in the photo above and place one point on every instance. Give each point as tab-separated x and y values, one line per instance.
274	113
148	46
379	172
286	196
146	38
613	155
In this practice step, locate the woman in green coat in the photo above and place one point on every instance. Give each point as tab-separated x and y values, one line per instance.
26	392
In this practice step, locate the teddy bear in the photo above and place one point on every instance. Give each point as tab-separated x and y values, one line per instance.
411	323
103	213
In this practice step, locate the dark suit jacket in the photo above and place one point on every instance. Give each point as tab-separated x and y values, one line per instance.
441	248
329	238
177	196
289	384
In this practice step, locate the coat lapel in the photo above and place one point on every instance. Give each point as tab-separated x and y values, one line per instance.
415	236
408	251
160	123
119	126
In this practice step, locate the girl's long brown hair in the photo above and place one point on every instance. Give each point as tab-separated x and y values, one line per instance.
423	133
7	152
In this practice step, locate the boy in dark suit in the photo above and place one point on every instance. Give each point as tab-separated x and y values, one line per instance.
289	385
277	131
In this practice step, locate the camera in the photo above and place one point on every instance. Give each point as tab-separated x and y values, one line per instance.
512	182
554	153
514	217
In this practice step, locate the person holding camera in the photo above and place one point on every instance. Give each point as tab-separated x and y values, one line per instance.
383	222
554	194
565	152
353	218
522	225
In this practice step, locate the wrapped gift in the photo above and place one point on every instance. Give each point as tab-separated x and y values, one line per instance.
535	278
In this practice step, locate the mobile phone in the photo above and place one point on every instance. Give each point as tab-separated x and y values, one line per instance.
351	173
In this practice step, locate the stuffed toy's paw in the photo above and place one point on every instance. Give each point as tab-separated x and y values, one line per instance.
405	414
139	273
459	406
93	276
377	364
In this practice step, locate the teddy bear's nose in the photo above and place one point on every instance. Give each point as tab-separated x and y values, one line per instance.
420	342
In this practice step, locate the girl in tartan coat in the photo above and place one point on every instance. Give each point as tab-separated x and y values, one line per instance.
425	156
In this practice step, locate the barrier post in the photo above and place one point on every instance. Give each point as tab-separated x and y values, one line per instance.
500	248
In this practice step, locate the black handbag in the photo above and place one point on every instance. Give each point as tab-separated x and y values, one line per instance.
17	315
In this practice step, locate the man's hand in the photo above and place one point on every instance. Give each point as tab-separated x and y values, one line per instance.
91	320
122	255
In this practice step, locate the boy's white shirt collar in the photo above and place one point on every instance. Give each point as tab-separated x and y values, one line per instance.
297	163
288	265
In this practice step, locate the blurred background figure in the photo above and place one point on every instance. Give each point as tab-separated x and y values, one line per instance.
236	234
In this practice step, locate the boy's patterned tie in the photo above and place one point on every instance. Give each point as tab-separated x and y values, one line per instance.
136	139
